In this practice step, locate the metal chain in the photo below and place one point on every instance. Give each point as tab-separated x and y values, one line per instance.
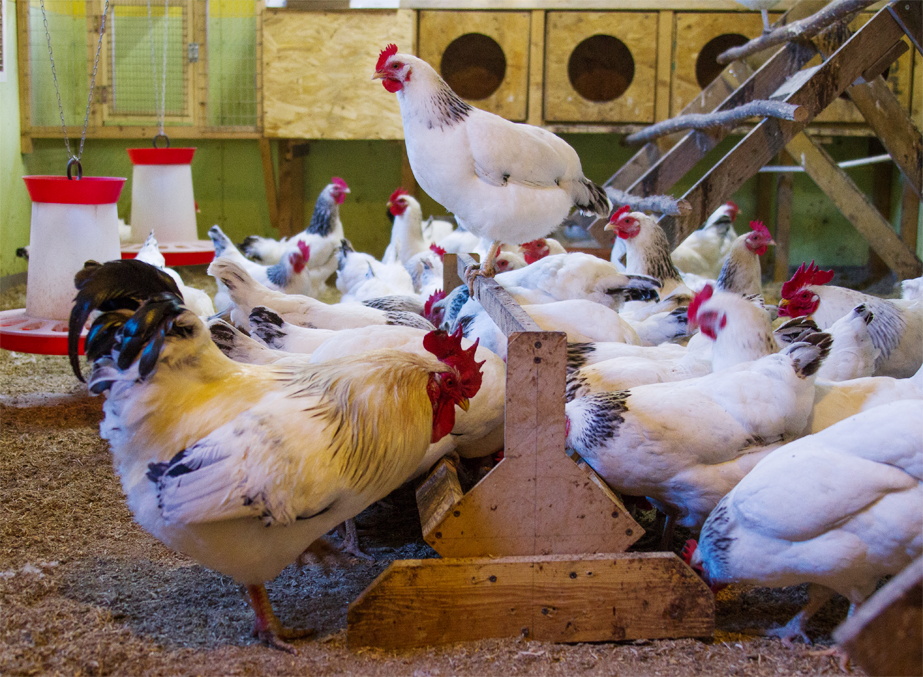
54	77
162	104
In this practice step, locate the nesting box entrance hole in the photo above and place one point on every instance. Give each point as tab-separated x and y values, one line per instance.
707	67
601	68
474	65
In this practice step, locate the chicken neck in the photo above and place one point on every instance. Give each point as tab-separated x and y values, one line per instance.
267	628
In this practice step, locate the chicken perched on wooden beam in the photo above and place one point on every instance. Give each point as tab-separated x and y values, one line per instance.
242	467
511	183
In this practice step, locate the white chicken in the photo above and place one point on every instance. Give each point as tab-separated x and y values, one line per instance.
426	271
540	248
243	477
897	329
289	276
195	299
685	444
505	181
741	272
407	238
246	293
837	509
703	252
361	276
322	237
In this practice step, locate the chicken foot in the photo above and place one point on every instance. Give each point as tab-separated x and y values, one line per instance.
351	541
486	269
267	628
818	595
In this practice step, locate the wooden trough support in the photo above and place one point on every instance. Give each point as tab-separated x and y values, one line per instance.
885	635
536	548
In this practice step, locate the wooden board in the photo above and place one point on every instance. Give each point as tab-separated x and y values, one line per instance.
814	91
307	94
885	635
565	31
855	206
606	597
511	30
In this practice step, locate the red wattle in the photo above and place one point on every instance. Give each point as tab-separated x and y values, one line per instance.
392	85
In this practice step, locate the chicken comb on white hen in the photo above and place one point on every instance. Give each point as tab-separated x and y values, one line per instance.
246	294
838	509
504	181
245	476
685	444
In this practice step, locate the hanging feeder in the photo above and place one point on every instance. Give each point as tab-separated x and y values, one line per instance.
72	221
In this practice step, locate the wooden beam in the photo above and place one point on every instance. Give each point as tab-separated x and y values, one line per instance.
814	89
503	310
910	17
855	206
881	198
408	180
269	181
536	97
665	45
910	216
782	236
565	598
291	189
25	75
885	634
438	494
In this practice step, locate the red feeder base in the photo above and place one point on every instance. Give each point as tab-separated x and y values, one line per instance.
194	253
39	335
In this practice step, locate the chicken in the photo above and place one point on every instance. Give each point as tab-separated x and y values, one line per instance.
195	299
741	272
911	290
685	444
540	248
289	276
322	236
896	330
703	252
426	271
504	181
407	238
242	467
459	241
763	6
361	276
740	330
837	509
854	353
246	293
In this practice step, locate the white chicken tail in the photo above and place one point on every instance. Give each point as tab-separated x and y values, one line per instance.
590	198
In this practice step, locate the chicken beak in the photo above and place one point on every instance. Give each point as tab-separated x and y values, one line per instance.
465	404
783	303
379	75
610	226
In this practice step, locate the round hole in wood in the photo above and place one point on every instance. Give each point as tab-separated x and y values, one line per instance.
707	67
601	68
474	65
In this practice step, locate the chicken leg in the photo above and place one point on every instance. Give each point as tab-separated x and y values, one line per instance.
818	595
486	269
267	628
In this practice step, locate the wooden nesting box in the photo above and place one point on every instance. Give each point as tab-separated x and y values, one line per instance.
699	38
844	111
600	66
317	73
484	56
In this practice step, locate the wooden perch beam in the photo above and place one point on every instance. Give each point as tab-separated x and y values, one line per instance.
798	30
724	118
815	92
498	303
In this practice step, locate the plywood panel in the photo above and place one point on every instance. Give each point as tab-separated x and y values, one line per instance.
693	33
510	30
565	31
317	73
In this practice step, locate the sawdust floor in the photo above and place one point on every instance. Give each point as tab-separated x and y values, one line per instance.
84	591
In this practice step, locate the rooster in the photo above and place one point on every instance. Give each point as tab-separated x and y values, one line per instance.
897	330
741	272
322	236
703	252
838	509
242	467
504	181
685	444
289	276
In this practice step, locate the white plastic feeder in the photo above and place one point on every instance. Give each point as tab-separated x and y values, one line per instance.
161	194
72	221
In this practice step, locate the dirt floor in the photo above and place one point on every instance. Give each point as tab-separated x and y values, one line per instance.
84	591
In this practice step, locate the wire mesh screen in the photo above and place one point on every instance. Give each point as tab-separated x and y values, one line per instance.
232	77
67	26
137	75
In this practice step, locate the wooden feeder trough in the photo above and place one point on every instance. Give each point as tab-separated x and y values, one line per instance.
600	66
537	547
483	56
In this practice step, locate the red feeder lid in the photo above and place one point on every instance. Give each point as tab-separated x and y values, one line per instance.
161	156
90	190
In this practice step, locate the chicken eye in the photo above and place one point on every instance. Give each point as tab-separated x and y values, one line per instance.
397	65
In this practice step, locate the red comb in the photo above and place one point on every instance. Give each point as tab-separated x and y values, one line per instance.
337	181
621	211
759	227
689	550
438	251
805	276
447	348
733	205
437	295
386	53
305	250
396	194
700	298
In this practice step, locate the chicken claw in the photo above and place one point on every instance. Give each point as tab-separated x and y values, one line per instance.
486	269
840	654
351	541
267	628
